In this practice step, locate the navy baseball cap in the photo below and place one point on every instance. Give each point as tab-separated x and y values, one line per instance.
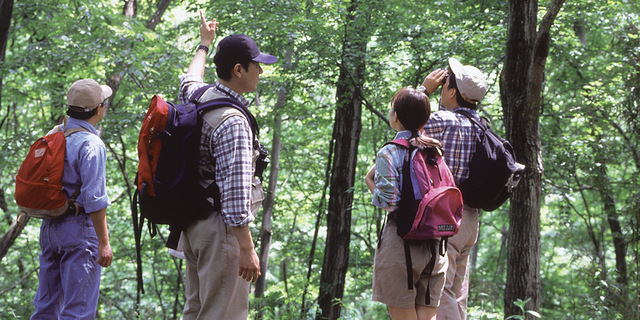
240	48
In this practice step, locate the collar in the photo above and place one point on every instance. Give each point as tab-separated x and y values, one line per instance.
224	89
404	134
77	123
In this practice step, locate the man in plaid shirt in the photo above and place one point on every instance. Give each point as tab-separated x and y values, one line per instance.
462	87
221	258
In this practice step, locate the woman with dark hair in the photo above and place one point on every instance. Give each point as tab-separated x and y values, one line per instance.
409	112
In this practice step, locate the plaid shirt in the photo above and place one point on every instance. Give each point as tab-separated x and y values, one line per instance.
388	177
225	154
458	136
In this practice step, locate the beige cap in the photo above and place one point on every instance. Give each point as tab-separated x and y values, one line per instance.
471	82
86	94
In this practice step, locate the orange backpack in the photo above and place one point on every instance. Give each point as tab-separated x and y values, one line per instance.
38	191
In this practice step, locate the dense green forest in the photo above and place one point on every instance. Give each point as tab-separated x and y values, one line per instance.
564	88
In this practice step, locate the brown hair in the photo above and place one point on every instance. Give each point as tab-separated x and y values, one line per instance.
412	108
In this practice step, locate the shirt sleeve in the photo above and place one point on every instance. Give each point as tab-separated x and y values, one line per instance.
387	193
233	152
189	83
92	170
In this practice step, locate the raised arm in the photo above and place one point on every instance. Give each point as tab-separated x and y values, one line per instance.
207	35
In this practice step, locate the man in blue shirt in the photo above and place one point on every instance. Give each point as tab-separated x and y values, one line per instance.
75	246
462	87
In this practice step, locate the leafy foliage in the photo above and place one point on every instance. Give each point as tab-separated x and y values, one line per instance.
588	122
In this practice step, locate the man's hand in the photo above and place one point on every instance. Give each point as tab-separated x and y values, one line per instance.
99	219
248	262
249	265
434	80
105	256
207	30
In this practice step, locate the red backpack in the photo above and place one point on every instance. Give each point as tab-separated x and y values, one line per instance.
38	191
431	204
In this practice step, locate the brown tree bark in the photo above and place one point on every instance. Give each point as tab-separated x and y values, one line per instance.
346	136
157	16
6	11
130	8
520	92
269	201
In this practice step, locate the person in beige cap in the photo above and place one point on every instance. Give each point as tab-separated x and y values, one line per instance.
75	246
463	87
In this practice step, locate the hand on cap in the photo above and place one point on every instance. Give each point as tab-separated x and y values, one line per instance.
434	80
207	30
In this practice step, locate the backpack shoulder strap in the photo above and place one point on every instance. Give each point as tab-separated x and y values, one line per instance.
218	115
195	96
205	107
71	131
403	143
471	118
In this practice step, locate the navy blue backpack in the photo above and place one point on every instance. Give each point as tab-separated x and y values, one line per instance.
493	169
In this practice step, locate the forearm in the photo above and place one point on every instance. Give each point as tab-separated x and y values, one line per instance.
198	63
243	234
207	35
248	262
369	179
99	219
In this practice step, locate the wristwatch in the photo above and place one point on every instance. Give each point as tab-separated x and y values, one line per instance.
203	47
423	90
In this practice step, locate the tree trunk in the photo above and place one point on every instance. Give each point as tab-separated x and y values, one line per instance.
6	11
157	16
346	136
269	201
130	8
10	237
520	92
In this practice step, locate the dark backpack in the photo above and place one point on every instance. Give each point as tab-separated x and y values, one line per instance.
38	190
493	170
430	205
168	191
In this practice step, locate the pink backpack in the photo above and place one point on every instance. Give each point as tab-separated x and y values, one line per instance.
430	205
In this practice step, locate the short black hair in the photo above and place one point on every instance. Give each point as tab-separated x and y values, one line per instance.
459	99
82	115
224	71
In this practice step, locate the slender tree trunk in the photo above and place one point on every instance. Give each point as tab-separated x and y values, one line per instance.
346	135
12	234
312	251
157	16
269	201
130	8
520	91
6	11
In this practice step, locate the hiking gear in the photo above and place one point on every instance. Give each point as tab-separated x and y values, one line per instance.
430	206
39	191
167	190
167	184
493	170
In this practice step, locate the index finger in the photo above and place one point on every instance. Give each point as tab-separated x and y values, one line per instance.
204	21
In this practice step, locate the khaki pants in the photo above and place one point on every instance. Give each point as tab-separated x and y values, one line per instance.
390	272
453	303
213	288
